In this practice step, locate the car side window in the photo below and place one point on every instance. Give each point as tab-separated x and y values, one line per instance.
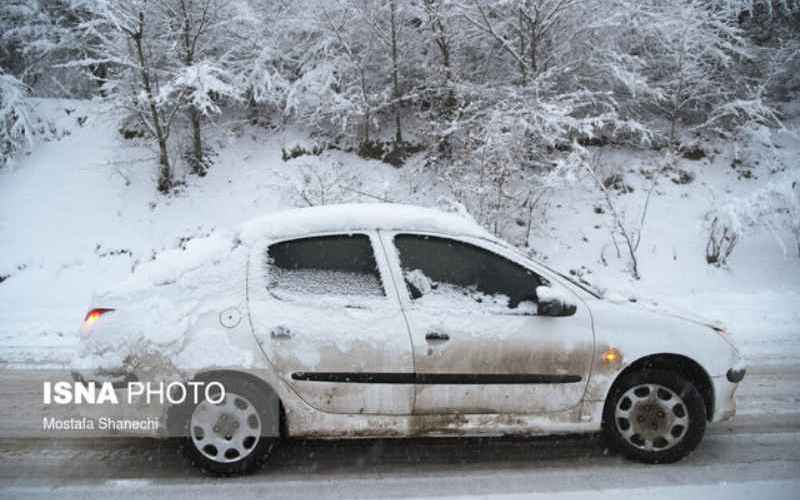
338	265
450	273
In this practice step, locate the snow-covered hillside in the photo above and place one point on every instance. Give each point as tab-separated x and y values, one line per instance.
81	212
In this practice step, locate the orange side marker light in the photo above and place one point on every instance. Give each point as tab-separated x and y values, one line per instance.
612	356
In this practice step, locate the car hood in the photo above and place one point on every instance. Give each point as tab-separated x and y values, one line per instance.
642	328
659	309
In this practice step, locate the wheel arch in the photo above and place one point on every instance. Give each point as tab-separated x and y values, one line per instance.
685	366
275	409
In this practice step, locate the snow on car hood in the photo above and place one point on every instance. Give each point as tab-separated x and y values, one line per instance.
663	310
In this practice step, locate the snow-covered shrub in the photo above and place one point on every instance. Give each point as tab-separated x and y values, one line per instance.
625	224
792	211
509	144
785	69
723	227
16	129
297	151
755	148
776	206
325	185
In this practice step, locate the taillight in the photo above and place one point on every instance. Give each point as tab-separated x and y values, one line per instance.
93	315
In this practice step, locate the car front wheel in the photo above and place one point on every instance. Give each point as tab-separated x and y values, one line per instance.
654	416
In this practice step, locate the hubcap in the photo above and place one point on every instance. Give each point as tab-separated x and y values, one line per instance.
651	417
228	431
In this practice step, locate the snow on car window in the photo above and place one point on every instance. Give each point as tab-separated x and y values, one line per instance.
430	293
342	265
324	282
438	270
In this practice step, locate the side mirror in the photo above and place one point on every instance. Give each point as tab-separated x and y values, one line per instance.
552	302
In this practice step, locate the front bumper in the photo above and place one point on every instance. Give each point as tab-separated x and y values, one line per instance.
735	375
724	393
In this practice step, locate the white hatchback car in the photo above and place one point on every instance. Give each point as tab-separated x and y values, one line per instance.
382	320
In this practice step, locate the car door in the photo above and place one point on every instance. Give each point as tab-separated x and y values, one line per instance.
326	315
479	346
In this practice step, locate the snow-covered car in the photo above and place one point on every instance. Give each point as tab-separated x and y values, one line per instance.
382	320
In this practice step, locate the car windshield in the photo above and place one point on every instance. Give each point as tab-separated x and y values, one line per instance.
579	282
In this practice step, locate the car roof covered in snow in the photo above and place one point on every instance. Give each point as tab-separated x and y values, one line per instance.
359	217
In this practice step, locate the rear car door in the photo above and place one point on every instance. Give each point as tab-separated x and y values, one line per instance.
479	346
326	315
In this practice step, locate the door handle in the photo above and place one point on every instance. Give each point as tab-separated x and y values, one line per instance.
280	332
437	337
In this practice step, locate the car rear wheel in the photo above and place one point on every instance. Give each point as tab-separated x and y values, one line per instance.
227	438
654	416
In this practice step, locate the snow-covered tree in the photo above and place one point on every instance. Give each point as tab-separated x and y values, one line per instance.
385	21
354	76
335	92
202	73
36	36
501	86
773	27
132	39
694	57
265	46
16	128
440	21
530	32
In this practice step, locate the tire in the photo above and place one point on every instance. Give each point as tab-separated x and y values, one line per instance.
654	416
227	439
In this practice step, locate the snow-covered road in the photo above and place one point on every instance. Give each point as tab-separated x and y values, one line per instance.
758	454
728	463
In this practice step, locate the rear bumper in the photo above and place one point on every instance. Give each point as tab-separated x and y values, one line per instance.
119	378
131	416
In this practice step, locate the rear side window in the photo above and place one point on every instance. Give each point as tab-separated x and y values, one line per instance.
441	271
340	265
